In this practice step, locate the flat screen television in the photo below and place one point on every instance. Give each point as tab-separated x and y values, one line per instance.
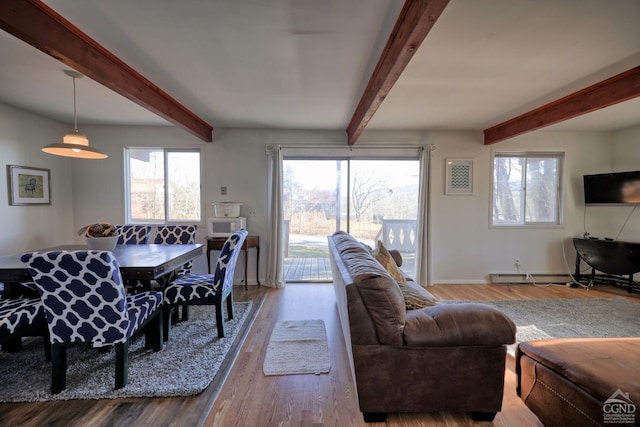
620	188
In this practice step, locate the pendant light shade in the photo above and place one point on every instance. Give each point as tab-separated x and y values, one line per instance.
74	144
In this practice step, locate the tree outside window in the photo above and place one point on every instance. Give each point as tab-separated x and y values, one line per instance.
526	189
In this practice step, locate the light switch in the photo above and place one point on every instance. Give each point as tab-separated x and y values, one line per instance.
223	190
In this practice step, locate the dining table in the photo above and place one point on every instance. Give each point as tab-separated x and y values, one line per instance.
137	262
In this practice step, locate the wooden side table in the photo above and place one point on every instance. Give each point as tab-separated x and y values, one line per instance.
216	244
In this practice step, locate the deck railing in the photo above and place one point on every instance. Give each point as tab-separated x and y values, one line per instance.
399	234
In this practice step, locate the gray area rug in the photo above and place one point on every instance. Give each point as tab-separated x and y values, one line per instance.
186	366
572	318
297	347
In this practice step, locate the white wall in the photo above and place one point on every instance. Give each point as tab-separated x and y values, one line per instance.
236	159
22	135
626	157
466	250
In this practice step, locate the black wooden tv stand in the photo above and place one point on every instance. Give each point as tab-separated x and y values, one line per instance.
613	258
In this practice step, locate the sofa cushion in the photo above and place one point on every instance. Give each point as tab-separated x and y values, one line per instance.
382	255
378	290
415	296
385	304
459	324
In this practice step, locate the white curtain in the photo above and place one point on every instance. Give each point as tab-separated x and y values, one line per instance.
423	269
275	260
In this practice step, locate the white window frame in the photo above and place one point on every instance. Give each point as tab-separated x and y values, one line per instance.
560	156
127	187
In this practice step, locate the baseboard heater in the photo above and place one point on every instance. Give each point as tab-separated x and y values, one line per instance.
524	278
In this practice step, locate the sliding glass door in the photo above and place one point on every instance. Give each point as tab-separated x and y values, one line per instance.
383	205
373	199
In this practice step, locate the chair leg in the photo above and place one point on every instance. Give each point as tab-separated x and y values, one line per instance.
122	364
47	348
153	335
230	305
175	318
219	322
167	314
185	312
58	368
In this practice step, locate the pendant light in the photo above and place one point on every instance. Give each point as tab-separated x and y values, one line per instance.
74	144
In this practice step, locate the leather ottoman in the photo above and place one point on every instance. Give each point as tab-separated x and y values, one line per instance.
568	382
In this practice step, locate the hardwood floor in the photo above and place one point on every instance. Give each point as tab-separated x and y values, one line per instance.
248	398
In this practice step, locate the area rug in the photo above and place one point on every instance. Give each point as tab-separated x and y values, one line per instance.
571	318
186	366
297	347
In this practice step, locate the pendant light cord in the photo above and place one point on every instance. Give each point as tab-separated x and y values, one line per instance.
75	115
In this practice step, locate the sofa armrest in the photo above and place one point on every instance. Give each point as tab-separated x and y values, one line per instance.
458	324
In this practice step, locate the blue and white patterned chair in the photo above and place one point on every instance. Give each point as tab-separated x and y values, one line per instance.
85	303
24	290
207	289
177	235
21	317
132	234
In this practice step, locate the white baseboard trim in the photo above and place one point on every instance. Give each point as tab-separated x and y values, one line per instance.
524	278
460	282
509	278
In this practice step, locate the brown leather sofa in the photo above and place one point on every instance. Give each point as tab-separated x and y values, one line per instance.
442	357
581	382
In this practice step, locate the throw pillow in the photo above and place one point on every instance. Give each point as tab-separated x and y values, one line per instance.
382	255
413	299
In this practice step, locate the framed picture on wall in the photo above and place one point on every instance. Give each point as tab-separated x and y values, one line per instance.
459	176
28	186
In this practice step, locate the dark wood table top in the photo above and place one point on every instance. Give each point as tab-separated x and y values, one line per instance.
217	242
609	256
142	262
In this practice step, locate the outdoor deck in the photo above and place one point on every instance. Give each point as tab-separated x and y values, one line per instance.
307	269
302	266
319	269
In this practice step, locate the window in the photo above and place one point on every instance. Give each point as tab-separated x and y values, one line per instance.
526	189
162	185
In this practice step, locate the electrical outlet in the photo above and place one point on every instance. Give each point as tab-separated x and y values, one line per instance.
516	262
252	212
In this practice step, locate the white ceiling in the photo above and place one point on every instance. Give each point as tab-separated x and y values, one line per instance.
304	64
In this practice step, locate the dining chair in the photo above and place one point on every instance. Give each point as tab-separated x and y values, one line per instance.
20	317
85	303
177	235
206	289
133	234
24	289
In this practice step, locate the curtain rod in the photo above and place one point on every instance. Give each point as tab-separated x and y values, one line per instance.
351	147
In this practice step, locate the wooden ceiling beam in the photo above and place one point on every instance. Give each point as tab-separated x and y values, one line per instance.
616	89
412	26
43	28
